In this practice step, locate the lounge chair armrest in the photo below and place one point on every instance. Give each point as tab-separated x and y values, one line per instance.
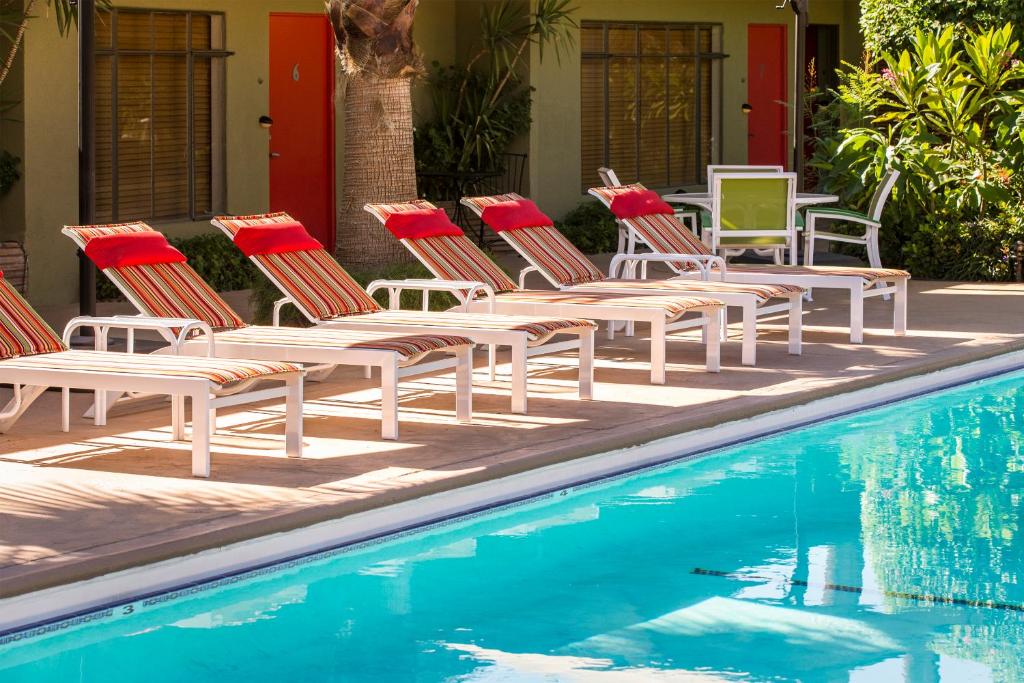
174	330
706	263
456	287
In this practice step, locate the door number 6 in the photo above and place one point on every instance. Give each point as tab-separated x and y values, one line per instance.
295	73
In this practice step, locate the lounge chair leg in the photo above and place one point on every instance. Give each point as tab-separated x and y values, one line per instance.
65	409
492	361
630	330
796	324
464	385
99	417
611	329
725	323
857	314
714	347
201	434
368	371
519	373
389	399
293	416
178	418
900	307
586	361
749	355
658	349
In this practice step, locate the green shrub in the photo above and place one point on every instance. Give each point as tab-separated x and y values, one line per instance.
591	227
9	173
949	115
890	25
264	294
214	257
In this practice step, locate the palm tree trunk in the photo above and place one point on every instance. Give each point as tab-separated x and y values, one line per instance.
379	167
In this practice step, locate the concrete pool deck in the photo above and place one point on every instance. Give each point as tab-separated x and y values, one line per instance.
79	505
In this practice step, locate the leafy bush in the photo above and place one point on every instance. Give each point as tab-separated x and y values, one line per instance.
214	257
264	294
9	173
890	25
591	227
949	115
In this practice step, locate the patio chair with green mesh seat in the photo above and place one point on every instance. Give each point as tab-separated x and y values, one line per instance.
870	222
754	211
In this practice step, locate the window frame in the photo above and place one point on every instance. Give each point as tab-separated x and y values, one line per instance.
716	57
218	107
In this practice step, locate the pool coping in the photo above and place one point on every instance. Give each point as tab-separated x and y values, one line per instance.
60	605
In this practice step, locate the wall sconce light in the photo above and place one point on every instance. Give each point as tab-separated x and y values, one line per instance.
266	121
746	108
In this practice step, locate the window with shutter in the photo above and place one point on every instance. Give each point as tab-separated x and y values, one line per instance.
159	115
651	101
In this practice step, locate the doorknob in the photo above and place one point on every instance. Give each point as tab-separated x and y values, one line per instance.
274	155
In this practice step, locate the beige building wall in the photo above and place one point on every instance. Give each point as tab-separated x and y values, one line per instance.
47	197
555	146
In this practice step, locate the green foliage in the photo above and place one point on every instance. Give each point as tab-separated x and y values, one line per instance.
590	227
264	294
9	173
890	25
213	256
949	115
481	107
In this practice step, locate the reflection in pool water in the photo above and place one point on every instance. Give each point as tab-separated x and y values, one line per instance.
802	541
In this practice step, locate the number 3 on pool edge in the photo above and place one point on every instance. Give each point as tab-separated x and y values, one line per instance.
127	609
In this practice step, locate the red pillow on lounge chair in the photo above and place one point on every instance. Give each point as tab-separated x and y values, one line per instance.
636	203
132	249
418	224
275	238
515	214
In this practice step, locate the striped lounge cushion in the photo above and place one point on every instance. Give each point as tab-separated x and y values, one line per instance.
449	257
674	306
406	346
536	328
869	275
22	331
544	246
761	292
218	371
312	278
163	290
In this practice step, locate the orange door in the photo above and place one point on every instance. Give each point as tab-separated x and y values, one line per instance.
302	109
768	95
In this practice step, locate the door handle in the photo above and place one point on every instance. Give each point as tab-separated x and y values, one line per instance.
274	155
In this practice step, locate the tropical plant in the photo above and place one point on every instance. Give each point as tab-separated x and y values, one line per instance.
591	228
890	25
479	108
378	61
948	113
14	18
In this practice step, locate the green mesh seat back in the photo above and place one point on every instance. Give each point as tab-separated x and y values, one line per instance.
754	204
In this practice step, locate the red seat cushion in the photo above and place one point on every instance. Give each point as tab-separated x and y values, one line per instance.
132	249
639	203
418	224
515	214
275	238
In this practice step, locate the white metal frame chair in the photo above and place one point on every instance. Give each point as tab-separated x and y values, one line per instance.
870	220
610	179
526	337
728	230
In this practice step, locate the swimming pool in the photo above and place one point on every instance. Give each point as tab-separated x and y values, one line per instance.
882	546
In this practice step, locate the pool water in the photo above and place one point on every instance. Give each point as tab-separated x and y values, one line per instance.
886	546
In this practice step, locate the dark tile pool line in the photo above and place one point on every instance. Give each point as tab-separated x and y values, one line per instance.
917	597
106	610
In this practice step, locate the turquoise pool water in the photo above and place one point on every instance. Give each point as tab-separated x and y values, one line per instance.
816	555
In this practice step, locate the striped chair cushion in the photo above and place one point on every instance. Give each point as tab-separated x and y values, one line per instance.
448	257
406	346
164	290
219	371
674	306
22	331
312	278
869	275
761	292
544	247
536	328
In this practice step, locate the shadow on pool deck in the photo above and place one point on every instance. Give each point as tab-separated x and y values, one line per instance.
105	498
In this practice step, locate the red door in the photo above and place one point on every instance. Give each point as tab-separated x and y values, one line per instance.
768	95
302	109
